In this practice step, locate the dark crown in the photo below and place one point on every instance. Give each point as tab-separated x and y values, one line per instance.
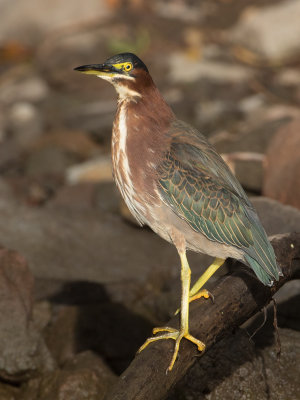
127	57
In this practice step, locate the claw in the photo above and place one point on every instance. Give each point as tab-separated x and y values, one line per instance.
175	335
202	293
164	329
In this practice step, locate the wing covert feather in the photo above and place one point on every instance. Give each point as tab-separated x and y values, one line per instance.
206	205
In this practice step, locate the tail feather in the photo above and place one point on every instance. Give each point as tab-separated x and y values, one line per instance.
262	273
261	257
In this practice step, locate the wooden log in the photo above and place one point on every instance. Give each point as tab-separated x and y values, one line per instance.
238	296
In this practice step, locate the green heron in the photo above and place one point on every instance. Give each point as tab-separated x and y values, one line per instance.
173	180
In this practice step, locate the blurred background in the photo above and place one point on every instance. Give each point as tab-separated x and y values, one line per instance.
93	283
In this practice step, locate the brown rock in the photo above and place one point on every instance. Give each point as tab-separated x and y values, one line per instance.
61	335
74	196
235	368
282	168
22	349
8	392
107	328
84	377
75	142
245	151
276	217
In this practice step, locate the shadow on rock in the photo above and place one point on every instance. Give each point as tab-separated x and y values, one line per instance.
86	319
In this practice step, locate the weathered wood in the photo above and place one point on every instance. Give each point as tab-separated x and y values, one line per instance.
237	297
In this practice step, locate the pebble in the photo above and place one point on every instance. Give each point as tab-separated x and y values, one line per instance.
25	123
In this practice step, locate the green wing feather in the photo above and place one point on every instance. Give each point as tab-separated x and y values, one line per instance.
199	187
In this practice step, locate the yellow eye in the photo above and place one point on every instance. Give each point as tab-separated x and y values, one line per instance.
128	67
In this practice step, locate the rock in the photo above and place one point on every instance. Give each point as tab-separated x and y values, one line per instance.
276	217
282	166
249	169
210	112
5	191
234	369
282	112
8	392
85	376
9	154
97	170
75	196
85	244
61	334
51	161
185	70
22	349
30	21
288	301
271	32
96	117
25	88
25	122
289	77
74	142
108	198
55	152
179	11
249	172
106	327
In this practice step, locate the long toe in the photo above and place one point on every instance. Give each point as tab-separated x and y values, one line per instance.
169	335
172	333
202	293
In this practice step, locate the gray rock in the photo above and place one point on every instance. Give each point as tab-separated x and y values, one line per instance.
271	32
22	349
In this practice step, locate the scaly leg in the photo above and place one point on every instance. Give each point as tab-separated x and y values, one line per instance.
172	333
195	292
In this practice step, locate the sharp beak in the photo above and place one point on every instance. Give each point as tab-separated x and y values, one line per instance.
98	69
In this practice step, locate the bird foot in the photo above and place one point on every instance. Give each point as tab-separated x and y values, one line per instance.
175	334
202	293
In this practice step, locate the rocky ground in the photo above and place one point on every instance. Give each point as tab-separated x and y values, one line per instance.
81	285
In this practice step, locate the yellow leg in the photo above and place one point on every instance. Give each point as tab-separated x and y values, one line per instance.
172	333
195	292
